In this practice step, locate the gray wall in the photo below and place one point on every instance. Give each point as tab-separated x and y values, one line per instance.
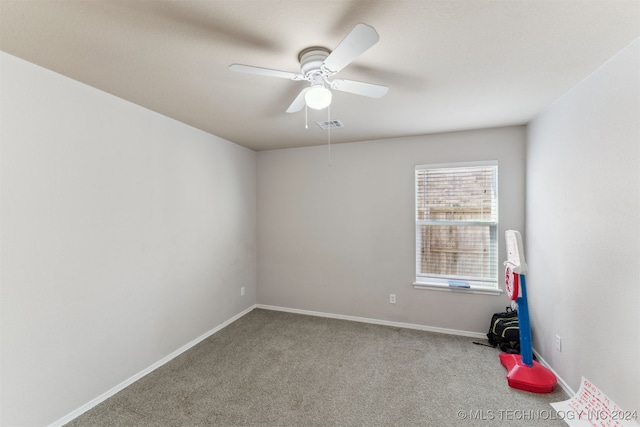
339	239
125	235
583	224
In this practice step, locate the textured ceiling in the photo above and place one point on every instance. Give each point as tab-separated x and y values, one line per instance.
450	65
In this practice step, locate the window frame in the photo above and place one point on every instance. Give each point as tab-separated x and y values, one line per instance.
452	282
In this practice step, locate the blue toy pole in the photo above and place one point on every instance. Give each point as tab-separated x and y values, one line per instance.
526	351
523	373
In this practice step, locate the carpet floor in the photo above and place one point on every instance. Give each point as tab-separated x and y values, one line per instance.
272	368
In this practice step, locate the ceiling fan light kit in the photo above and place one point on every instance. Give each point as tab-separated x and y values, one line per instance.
318	97
318	64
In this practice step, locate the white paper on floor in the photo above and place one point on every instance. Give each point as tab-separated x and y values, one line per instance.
591	407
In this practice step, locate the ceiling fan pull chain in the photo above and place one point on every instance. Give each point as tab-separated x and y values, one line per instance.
306	119
329	132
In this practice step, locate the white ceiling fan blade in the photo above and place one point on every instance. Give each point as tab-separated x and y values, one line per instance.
264	71
299	102
361	38
359	88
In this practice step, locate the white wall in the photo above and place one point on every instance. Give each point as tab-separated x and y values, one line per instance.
339	239
125	235
583	228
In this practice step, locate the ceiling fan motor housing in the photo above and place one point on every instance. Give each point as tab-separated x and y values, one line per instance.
311	60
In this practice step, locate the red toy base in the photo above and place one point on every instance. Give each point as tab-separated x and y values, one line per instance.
536	378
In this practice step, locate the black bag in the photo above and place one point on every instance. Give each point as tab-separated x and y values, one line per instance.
504	331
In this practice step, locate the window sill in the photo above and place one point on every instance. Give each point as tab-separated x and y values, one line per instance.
483	290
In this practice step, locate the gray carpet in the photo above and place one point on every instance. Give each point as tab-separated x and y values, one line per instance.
281	369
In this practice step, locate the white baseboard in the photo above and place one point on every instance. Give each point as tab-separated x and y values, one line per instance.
104	396
376	321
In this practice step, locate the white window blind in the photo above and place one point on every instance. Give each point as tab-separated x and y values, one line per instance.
456	223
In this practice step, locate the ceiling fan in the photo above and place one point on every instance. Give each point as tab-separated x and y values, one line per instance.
319	64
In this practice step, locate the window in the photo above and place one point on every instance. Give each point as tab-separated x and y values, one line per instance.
457	225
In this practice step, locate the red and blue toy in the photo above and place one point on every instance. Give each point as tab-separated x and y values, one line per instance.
522	371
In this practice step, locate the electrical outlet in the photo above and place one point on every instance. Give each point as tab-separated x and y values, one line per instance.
392	298
558	343
242	291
